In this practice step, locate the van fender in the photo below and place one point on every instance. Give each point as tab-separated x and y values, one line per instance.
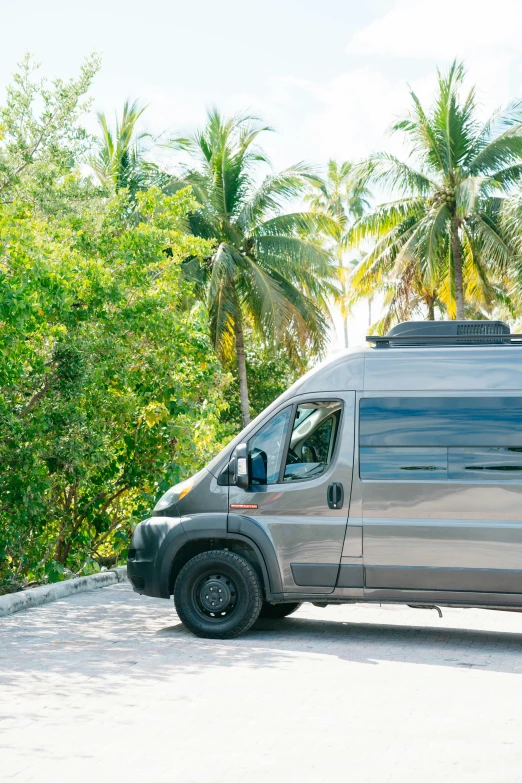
188	528
249	529
205	526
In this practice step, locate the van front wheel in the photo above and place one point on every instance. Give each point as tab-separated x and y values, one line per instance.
217	595
277	611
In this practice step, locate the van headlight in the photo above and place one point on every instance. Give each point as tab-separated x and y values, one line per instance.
174	494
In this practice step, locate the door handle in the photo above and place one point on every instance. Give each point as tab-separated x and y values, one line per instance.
335	495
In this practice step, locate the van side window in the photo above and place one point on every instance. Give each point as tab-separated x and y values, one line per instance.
462	438
312	441
265	449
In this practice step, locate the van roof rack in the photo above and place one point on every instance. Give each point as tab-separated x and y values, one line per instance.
433	333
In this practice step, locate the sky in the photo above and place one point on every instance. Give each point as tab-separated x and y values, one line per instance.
328	76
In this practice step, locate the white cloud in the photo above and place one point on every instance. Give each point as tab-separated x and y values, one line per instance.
446	29
347	117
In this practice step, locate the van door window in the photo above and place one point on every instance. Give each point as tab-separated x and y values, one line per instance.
265	449
312	441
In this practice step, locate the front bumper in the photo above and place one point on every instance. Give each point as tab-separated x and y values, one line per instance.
146	554
141	576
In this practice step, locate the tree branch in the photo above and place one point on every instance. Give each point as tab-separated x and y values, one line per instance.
39	394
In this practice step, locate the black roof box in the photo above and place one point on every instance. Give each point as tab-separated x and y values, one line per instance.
444	333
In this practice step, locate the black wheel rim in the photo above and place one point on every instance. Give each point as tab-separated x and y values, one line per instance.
215	596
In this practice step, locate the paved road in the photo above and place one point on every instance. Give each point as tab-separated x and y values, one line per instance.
108	685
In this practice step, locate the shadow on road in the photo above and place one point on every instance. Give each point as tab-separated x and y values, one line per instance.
366	643
119	636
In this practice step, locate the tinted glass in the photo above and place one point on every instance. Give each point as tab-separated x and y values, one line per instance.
403	463
492	464
312	441
460	438
441	421
265	449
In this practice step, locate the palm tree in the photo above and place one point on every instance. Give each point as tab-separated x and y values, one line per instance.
341	194
268	274
445	219
345	197
121	160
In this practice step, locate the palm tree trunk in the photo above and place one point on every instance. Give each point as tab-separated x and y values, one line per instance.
457	267
344	288
241	366
431	309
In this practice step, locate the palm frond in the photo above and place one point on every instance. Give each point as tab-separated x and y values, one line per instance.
275	191
468	193
383	219
263	298
501	121
120	161
424	140
494	248
295	223
311	256
386	169
223	314
453	120
225	264
436	234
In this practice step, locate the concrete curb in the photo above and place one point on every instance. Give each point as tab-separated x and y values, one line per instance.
38	596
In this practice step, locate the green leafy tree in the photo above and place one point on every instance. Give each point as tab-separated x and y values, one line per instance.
108	392
41	140
268	272
443	230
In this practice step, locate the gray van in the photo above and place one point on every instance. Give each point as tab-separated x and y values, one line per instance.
389	474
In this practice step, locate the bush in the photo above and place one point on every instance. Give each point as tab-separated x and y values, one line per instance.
109	391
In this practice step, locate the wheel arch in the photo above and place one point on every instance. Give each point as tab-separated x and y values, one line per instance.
247	538
237	544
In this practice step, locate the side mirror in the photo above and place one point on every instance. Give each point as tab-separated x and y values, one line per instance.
241	467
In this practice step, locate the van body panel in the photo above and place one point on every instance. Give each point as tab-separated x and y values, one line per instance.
254	532
147	539
445	598
295	515
353	541
314	574
151	539
351	575
157	541
207	497
443	369
483	580
446	543
344	375
441	533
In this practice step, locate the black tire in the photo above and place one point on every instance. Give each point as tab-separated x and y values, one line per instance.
277	611
223	576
